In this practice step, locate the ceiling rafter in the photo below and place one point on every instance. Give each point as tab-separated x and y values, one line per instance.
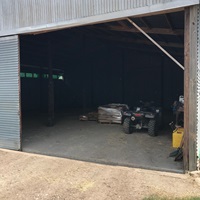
160	31
170	24
125	26
145	22
169	21
130	40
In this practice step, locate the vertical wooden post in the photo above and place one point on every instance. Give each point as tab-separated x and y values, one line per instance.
190	89
41	88
83	58
123	76
92	84
162	88
51	87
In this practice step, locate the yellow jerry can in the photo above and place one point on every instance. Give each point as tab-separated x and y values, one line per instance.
177	137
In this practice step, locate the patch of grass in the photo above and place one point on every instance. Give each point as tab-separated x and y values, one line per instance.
155	197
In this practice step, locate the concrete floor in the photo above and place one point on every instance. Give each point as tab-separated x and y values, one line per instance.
101	143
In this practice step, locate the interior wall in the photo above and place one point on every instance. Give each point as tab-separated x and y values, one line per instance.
98	72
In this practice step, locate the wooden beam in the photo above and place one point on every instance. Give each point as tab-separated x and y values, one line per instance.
170	24
169	21
123	24
145	22
99	31
160	31
186	91
156	44
140	49
136	41
190	89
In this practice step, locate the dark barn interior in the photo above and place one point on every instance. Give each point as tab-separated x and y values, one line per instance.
100	64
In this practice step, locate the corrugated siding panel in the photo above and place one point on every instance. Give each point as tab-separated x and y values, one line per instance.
17	14
55	10
9	93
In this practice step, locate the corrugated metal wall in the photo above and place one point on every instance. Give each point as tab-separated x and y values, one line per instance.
9	93
18	16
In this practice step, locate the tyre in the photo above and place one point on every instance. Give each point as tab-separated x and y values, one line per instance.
127	126
152	128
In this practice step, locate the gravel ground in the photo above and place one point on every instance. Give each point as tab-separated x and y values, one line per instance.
29	176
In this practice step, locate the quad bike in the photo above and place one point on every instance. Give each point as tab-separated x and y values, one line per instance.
147	116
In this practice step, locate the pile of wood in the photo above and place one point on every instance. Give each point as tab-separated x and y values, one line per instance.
91	116
111	113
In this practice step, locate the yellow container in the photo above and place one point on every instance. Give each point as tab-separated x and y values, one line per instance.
177	137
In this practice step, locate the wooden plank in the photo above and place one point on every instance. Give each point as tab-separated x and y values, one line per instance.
193	90
169	21
136	41
190	89
156	44
109	122
186	92
160	31
145	22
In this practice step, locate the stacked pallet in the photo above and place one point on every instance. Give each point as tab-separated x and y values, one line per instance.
91	116
111	113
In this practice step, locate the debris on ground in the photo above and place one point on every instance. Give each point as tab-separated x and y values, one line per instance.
91	116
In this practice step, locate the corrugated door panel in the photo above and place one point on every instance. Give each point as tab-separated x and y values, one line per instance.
10	127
